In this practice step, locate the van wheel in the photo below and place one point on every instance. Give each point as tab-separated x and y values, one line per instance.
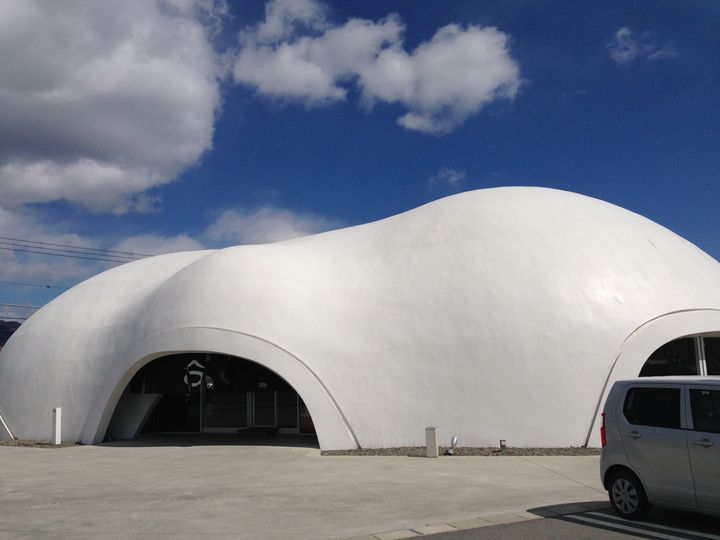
627	495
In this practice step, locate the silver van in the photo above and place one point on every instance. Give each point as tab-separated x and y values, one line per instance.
661	444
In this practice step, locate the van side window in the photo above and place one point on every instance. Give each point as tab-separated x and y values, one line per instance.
705	410
658	407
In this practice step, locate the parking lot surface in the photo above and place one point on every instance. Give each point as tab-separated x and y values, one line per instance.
660	524
187	490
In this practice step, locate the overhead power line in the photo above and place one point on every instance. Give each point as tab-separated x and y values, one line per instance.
99	251
67	255
20	284
37	247
64	250
20	306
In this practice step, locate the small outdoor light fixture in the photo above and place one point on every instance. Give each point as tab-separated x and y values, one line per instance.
453	444
503	444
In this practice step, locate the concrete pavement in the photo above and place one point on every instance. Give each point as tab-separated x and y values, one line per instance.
272	492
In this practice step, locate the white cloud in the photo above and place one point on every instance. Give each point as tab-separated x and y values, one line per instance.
100	101
265	224
447	176
296	54
156	244
625	48
666	51
27	267
446	80
310	69
98	186
283	17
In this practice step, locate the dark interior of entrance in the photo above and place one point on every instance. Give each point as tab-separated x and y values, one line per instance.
693	355
216	393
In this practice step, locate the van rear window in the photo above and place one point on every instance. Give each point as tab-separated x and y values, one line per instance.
657	407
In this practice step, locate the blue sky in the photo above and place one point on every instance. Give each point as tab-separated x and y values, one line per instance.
185	124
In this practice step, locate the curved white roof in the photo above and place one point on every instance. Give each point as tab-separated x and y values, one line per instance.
492	314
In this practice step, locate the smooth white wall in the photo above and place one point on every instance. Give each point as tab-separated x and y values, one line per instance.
130	415
494	314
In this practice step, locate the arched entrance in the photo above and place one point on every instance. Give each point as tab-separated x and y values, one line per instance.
333	430
208	393
646	341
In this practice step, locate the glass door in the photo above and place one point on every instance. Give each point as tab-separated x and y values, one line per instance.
180	382
265	408
225	411
226	403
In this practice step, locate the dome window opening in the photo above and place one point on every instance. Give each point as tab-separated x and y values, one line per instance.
696	355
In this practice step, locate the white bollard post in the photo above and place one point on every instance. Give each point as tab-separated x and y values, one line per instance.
431	442
57	425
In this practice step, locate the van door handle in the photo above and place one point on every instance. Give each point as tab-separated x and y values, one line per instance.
633	435
705	443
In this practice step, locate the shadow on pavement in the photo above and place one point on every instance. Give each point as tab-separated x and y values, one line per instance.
212	439
660	523
556	510
684	520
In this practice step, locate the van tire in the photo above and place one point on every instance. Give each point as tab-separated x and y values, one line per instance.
627	495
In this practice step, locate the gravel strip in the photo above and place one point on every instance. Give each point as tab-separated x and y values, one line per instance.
419	451
409	451
25	443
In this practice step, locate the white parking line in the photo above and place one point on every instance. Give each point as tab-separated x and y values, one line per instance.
657	526
617	526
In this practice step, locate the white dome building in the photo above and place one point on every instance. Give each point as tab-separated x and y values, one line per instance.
493	314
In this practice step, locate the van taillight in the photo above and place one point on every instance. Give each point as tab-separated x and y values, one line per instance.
603	438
